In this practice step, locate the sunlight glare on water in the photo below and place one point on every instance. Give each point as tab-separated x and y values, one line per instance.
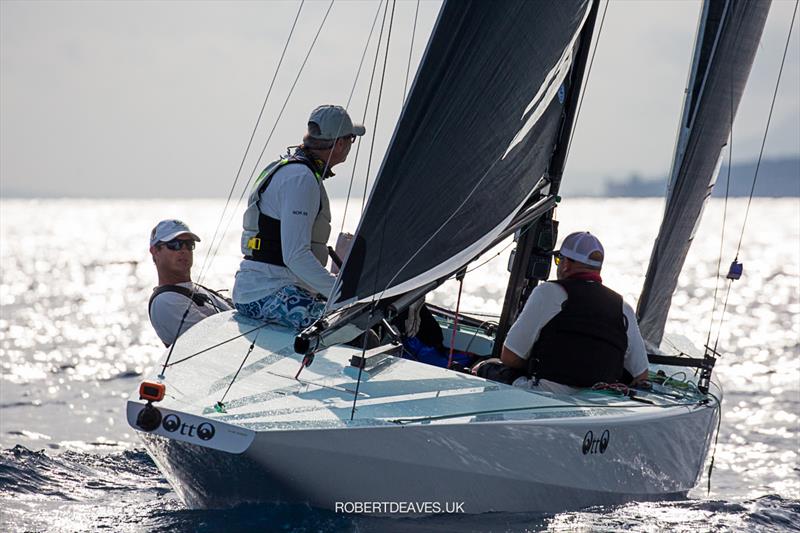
75	338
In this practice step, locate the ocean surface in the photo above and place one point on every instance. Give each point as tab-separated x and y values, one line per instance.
75	340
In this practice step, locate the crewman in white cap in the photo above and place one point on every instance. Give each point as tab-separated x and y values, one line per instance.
575	332
282	278
171	245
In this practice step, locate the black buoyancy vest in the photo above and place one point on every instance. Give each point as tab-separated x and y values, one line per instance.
269	229
198	298
585	342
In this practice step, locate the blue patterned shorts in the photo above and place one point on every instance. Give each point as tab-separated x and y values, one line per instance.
289	306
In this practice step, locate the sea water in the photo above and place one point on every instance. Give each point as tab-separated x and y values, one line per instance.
75	340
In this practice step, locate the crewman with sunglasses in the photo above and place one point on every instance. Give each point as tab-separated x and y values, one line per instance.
282	278
573	332
171	245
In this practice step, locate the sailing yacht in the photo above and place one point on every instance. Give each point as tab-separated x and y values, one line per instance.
241	411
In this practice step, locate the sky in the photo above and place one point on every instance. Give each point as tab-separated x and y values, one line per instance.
159	99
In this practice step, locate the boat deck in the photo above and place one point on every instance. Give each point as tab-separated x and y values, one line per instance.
266	396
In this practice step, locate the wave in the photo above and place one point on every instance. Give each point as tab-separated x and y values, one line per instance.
124	491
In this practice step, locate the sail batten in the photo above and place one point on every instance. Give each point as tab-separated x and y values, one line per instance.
728	36
474	138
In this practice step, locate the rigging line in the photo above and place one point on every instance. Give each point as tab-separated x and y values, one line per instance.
366	107
724	217
353	89
480	181
226	341
722	315
366	180
363	362
495	256
455	321
410	50
586	83
233	379
716	439
766	130
378	106
506	247
209	257
280	114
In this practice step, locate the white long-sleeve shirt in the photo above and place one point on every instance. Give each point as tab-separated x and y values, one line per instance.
293	197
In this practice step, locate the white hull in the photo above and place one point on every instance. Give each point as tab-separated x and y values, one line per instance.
420	434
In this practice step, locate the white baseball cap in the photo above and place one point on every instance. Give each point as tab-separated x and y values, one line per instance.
579	246
333	122
166	230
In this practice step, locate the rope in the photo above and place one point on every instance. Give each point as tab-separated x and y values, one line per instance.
220	403
716	439
455	321
280	114
586	83
378	106
365	337
766	130
480	181
247	148
410	50
372	76
204	350
724	216
212	249
755	174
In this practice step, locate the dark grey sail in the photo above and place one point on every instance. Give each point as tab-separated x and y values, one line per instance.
475	136
727	39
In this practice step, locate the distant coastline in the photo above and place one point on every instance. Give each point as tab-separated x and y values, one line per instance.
777	178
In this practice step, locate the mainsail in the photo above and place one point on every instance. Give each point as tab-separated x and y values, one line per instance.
727	39
475	137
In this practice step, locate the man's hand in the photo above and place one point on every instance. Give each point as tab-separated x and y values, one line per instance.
343	244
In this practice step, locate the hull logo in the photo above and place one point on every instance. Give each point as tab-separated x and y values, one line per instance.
204	431
593	445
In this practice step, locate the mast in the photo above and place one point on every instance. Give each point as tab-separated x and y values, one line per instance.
728	35
531	259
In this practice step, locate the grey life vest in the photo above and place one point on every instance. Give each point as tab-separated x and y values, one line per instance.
261	235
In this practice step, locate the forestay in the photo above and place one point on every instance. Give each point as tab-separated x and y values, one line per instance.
727	40
475	136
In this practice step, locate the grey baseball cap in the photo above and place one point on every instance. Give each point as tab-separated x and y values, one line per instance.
333	122
166	230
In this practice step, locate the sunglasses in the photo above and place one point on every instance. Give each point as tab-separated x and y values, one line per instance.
557	257
352	138
177	244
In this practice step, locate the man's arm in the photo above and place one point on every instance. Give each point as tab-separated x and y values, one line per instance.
636	355
511	359
299	206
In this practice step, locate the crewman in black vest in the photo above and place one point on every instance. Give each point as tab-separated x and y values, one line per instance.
282	278
171	245
574	332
